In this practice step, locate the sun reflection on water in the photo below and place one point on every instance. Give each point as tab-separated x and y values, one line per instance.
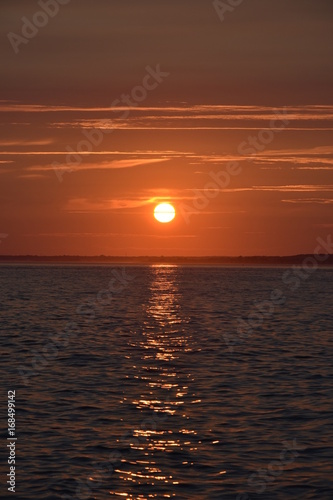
162	392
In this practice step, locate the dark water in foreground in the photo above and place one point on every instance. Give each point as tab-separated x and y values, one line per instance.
156	392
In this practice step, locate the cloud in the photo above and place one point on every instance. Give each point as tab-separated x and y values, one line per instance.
302	111
319	154
106	235
182	117
106	165
17	142
318	201
83	205
201	117
295	188
283	189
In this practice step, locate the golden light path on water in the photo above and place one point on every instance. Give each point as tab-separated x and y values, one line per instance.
163	390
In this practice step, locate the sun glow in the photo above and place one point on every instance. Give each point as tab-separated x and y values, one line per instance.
164	212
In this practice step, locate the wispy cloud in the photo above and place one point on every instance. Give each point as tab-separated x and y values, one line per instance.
108	235
106	165
313	110
179	117
317	201
303	159
84	205
18	142
160	154
200	117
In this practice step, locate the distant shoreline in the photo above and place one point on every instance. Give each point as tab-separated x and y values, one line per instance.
253	261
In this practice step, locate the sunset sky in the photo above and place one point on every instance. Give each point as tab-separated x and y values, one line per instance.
164	97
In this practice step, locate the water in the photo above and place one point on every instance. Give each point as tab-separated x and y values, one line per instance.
153	393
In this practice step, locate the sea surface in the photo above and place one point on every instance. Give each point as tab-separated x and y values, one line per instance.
176	382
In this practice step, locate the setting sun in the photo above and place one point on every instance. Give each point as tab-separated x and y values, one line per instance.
164	212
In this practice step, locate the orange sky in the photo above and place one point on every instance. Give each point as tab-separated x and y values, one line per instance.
229	121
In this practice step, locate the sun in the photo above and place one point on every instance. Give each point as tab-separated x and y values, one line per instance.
164	212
